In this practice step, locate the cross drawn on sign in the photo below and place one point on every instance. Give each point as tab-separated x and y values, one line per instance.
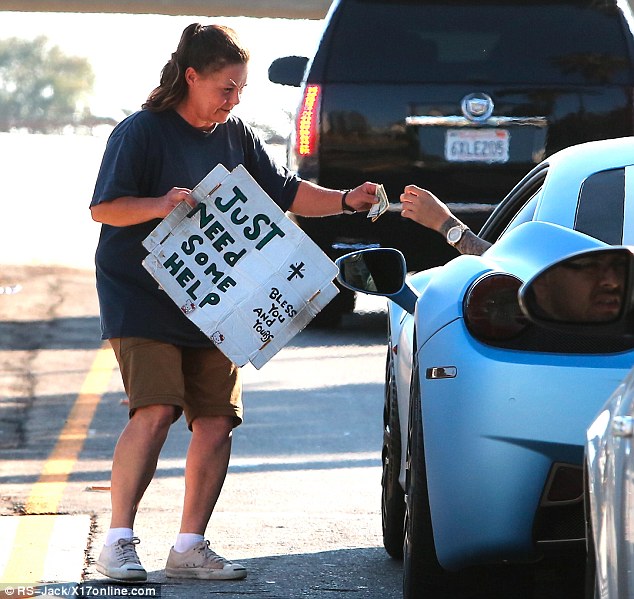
296	270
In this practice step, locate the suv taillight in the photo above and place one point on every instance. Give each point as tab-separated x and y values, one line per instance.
307	121
491	309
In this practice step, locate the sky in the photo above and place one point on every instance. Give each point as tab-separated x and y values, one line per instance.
127	53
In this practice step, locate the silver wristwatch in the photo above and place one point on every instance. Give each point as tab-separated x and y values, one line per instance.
455	233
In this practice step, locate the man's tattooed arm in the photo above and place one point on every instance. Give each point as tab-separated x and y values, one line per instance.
470	243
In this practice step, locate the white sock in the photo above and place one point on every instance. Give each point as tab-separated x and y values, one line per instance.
114	534
186	540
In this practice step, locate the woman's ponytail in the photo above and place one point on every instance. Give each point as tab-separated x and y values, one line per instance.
204	48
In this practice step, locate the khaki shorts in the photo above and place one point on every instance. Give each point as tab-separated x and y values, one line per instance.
197	381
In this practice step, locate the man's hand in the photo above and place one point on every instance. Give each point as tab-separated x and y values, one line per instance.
424	207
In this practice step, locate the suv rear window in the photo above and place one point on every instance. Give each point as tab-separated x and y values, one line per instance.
560	42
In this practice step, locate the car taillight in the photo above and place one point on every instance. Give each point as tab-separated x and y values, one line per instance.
491	309
307	121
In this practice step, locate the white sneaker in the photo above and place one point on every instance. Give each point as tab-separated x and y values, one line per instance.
120	561
201	562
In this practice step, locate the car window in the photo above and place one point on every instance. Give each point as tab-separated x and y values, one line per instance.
525	214
567	42
517	207
601	206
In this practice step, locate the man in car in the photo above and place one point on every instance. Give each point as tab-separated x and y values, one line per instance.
583	289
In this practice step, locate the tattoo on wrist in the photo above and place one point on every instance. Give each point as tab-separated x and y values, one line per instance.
472	244
450	222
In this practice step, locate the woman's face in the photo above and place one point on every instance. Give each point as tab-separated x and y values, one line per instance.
212	97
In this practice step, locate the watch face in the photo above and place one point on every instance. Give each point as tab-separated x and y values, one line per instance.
454	234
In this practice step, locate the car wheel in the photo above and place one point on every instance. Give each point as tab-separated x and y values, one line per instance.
330	315
392	494
422	574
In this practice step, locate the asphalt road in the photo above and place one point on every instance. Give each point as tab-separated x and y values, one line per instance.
300	507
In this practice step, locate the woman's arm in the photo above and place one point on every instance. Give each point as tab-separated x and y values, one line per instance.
128	210
313	200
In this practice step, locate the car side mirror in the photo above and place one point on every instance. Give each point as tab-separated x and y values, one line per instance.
378	271
588	292
288	70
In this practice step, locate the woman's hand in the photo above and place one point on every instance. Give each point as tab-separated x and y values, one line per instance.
362	198
173	198
314	200
129	210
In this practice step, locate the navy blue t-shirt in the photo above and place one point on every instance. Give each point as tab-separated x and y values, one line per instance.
147	154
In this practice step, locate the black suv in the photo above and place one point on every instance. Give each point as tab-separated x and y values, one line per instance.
459	97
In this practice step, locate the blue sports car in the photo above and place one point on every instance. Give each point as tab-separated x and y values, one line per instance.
486	412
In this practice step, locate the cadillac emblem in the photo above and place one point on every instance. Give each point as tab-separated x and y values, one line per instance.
477	107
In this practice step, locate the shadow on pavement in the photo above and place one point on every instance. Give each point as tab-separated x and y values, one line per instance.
357	328
58	333
366	573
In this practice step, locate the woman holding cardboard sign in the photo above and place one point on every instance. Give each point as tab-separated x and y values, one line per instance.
152	160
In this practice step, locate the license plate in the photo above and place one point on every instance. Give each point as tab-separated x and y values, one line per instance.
477	145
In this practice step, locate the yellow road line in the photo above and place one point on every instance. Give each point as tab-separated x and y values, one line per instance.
47	491
27	567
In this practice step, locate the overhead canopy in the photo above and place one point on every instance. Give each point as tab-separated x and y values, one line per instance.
291	9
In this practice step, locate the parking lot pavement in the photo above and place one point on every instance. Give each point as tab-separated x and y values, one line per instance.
300	505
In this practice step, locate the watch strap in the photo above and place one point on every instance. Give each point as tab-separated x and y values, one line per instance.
344	207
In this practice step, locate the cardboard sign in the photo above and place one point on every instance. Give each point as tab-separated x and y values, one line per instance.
238	268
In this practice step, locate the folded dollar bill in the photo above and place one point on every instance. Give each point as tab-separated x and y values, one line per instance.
379	208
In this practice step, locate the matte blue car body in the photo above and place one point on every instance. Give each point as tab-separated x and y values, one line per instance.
488	454
492	433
